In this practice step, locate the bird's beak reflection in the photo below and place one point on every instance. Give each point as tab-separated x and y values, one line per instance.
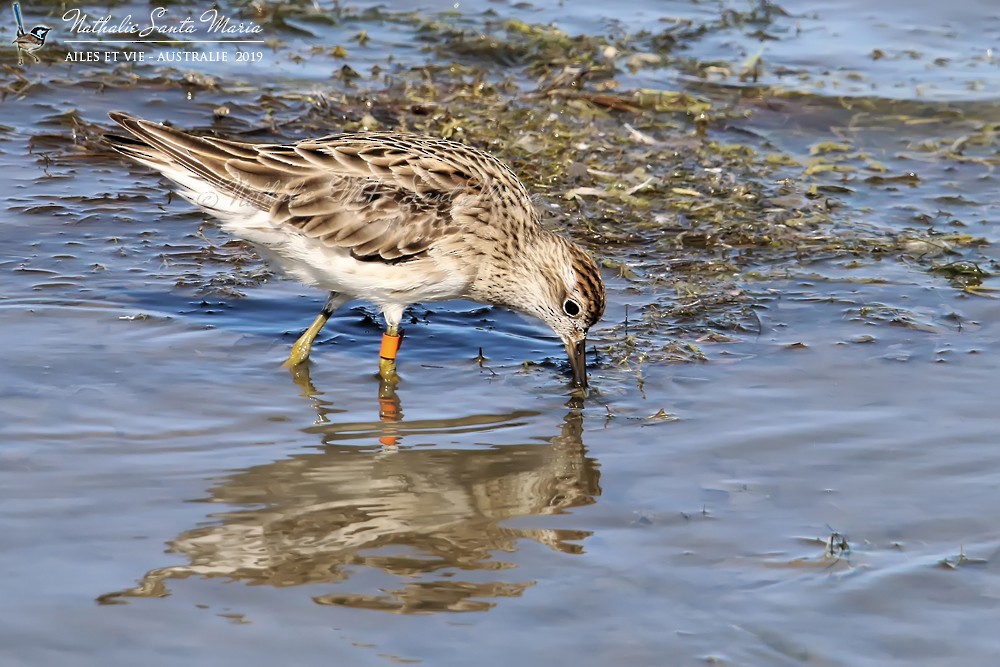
577	351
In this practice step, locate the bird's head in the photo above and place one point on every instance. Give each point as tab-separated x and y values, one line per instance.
568	295
40	31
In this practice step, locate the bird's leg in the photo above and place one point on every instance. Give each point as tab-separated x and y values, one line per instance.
300	351
387	353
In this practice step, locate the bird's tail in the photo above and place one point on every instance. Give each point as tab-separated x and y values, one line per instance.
19	19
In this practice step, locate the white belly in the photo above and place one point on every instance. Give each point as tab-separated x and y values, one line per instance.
433	278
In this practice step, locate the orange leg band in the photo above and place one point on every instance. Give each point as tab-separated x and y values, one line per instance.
390	346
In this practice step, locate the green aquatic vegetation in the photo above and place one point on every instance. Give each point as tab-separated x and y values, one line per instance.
965	275
825	147
961	560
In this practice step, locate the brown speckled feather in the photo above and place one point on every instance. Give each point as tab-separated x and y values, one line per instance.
384	196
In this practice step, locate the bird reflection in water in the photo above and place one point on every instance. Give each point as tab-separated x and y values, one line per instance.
422	515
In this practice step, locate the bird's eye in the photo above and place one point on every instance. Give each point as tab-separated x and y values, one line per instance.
572	308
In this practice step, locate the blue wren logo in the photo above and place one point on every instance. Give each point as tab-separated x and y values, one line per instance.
28	42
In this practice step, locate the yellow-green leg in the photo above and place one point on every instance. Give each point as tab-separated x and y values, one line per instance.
300	351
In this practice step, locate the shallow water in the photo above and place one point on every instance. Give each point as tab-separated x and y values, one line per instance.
170	494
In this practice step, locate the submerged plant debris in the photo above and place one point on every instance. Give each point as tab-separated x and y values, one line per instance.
690	180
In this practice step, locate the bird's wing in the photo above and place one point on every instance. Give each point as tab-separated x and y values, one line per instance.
384	196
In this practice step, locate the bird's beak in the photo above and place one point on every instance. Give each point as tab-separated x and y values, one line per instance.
577	349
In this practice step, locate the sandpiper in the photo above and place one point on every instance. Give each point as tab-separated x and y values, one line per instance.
386	217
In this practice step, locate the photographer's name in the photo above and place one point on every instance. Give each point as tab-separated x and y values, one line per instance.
210	22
